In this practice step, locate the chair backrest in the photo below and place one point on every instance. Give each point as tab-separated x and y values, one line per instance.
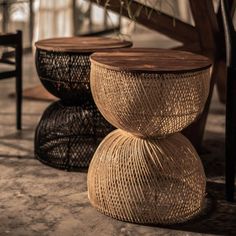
13	40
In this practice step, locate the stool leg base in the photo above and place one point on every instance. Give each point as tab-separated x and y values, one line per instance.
151	181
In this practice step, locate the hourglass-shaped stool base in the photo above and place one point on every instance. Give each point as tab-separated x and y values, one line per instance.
148	181
67	136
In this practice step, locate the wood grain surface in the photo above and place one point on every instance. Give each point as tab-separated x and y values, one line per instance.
81	44
151	59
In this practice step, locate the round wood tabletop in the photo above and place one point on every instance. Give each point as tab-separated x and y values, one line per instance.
81	44
152	60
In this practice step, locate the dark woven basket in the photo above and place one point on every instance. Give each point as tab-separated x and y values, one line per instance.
64	74
67	136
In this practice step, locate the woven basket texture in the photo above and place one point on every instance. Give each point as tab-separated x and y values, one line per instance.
146	180
149	104
67	136
64	74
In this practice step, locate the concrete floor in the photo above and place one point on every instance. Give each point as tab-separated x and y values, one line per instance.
38	200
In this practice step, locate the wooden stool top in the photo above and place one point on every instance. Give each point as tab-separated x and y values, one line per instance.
151	60
81	44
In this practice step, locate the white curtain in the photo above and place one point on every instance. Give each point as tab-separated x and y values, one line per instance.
54	18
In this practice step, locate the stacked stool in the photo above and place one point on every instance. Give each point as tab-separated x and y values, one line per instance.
146	171
71	128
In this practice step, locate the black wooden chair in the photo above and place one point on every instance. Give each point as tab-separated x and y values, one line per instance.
230	131
14	58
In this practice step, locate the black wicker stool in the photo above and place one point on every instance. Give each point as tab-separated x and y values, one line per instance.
70	129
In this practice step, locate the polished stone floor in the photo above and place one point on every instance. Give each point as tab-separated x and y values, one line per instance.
38	200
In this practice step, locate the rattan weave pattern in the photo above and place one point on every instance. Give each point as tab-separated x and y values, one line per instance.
70	131
146	180
67	136
149	104
147	172
64	74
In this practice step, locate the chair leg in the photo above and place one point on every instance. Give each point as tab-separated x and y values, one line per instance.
19	81
18	102
230	136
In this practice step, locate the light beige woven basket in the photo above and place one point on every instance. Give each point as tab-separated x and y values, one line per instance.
146	180
149	104
146	172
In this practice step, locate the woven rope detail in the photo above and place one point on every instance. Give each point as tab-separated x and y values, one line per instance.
67	136
146	181
65	75
149	104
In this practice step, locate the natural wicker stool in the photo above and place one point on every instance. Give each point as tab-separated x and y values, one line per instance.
71	129
146	171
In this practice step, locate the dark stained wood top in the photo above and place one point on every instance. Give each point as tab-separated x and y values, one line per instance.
152	60
81	44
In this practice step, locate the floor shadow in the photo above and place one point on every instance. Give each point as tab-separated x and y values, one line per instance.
214	158
15	146
7	156
219	216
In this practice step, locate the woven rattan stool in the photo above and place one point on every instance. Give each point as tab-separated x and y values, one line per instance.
70	129
146	171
